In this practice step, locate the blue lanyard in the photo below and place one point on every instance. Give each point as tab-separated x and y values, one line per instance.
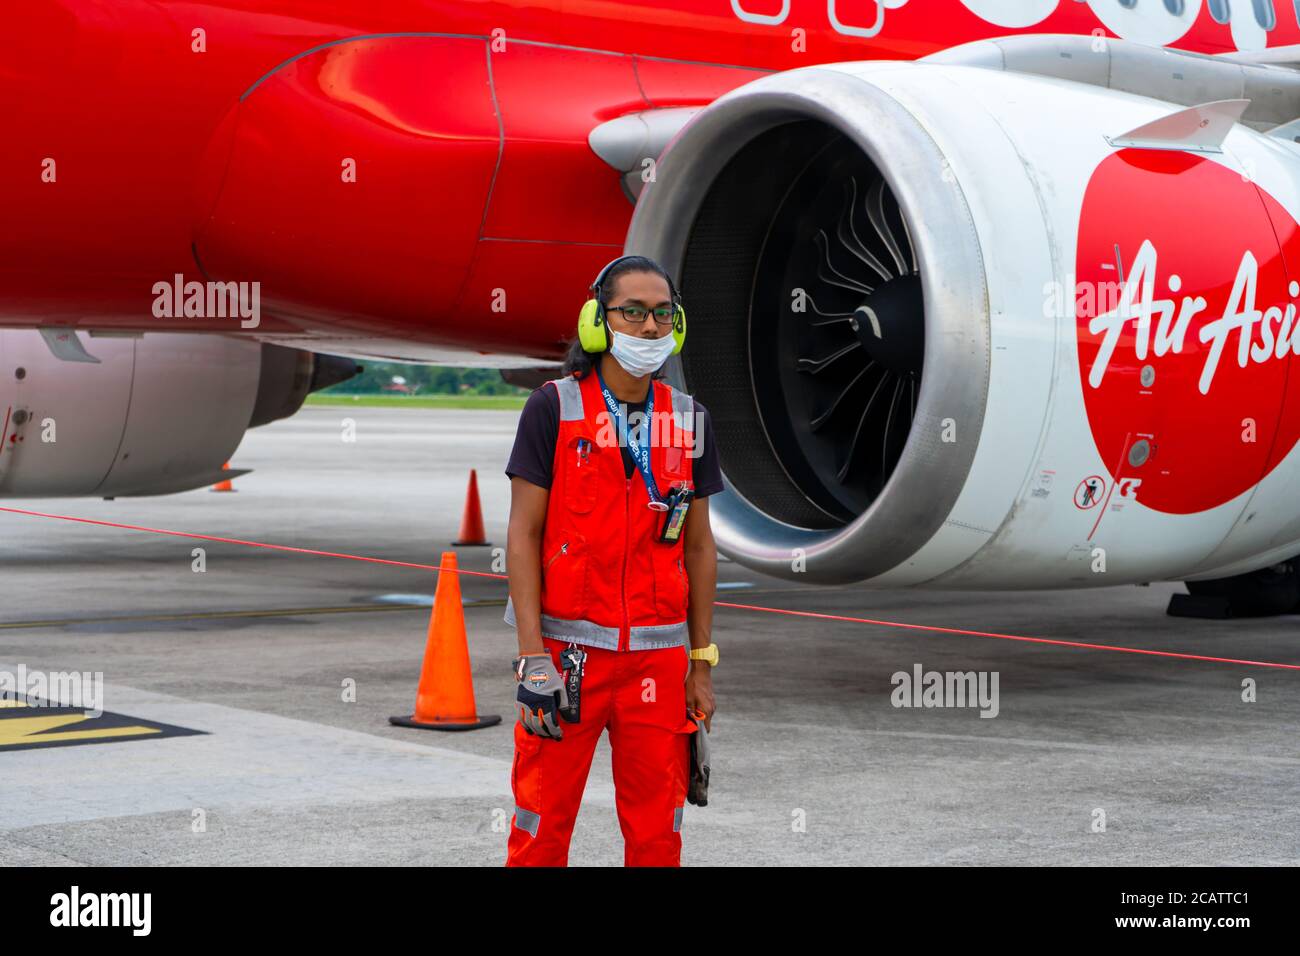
640	454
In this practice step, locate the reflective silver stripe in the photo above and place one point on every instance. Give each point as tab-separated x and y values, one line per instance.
646	637
578	631
570	398
651	636
527	820
683	409
677	820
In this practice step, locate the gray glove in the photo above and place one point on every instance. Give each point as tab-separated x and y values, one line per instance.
541	694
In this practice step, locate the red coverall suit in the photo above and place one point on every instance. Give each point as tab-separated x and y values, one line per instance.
609	585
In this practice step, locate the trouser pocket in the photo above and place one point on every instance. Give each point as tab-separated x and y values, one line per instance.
526	780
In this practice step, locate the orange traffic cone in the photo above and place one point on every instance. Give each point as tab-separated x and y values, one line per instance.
445	698
223	485
471	523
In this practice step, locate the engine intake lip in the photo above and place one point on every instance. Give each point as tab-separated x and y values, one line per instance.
670	224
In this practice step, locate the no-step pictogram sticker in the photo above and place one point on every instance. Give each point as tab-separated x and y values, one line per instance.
1089	493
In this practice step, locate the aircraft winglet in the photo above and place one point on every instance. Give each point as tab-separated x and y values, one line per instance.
1199	129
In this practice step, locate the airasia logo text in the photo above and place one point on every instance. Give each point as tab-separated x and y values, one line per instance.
1158	331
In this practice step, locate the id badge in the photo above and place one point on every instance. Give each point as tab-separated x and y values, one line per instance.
679	501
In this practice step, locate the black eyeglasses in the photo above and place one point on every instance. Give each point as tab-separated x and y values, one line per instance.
636	314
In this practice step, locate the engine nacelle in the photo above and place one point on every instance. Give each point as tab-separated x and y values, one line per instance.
158	413
951	336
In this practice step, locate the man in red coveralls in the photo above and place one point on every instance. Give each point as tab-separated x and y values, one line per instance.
601	458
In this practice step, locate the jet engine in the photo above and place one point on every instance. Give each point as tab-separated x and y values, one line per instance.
148	414
966	327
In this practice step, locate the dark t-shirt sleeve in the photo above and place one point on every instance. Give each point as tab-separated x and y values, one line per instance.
533	455
705	470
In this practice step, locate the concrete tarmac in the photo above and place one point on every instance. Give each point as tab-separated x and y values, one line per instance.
1093	757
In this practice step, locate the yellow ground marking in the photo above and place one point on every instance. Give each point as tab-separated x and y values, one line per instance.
31	730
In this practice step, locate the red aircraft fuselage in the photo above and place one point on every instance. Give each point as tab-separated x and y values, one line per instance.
411	170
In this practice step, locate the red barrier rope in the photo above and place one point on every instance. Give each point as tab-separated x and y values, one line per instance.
743	607
1015	637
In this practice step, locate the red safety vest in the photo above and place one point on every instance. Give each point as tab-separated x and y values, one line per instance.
607	581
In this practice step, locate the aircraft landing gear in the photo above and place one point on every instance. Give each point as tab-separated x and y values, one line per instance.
1262	593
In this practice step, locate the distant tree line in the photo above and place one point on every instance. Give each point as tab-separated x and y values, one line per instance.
395	378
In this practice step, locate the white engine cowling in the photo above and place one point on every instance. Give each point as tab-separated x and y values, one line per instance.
926	308
158	413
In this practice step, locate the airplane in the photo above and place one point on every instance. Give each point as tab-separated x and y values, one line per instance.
983	294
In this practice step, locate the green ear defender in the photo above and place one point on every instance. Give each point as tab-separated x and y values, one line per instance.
593	325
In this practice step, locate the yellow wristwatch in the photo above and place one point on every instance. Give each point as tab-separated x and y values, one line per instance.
709	654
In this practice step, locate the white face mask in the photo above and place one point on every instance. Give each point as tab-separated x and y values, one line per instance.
641	356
